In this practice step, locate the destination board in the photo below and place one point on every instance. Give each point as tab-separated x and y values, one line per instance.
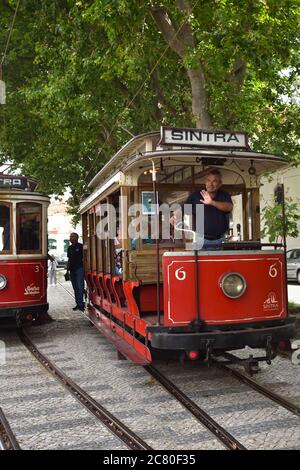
203	138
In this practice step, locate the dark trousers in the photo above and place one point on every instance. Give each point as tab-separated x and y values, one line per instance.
77	279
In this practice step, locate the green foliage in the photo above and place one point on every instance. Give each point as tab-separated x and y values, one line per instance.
80	72
272	220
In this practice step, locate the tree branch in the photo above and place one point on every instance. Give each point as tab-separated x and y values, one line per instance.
237	74
162	99
166	27
181	42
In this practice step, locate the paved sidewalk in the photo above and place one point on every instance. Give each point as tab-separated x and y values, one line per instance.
294	293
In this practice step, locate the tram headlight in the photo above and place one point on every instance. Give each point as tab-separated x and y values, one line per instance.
233	285
3	281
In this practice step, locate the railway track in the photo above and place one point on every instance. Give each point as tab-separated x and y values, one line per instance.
262	389
130	439
7	438
67	290
220	433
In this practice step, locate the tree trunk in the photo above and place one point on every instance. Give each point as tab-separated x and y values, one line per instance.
180	39
199	98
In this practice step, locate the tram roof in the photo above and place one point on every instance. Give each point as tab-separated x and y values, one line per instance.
147	146
21	194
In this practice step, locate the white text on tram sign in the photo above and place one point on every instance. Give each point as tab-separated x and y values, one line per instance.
203	138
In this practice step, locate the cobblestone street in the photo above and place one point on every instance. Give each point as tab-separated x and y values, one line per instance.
43	415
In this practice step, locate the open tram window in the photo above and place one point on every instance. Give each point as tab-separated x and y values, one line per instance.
29	230
5	232
66	245
52	244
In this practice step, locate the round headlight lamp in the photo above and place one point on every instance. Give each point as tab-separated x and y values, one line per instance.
3	281
233	285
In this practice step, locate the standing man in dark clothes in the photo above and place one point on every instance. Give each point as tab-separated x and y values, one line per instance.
217	206
75	266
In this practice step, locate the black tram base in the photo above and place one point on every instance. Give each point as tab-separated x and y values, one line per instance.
22	316
220	338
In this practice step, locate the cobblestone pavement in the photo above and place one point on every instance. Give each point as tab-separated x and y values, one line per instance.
257	422
281	376
42	414
125	389
129	393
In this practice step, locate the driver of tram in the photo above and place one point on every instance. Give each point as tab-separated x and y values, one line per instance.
217	206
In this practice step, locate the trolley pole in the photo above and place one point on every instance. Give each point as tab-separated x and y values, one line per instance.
284	238
156	242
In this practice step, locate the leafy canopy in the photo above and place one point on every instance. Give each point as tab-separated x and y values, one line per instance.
82	74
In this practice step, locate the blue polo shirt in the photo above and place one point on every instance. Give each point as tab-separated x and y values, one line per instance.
216	222
75	255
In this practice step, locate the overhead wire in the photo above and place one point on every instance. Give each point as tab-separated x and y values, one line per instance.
8	38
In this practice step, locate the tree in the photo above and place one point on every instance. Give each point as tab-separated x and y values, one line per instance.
80	74
273	224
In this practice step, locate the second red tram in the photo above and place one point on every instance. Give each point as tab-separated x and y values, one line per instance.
23	251
151	296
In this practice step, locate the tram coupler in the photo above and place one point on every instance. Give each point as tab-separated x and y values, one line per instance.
250	364
270	353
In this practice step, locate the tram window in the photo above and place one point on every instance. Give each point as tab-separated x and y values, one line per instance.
66	245
52	244
29	231
5	236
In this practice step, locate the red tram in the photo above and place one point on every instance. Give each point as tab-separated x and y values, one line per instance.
23	251
169	296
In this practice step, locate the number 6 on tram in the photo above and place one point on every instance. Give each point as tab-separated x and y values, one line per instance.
152	296
23	251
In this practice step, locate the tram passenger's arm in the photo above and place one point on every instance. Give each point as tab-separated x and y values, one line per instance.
224	206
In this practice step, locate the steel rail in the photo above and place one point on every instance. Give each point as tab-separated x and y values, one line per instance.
120	430
284	402
67	290
225	437
222	435
7	437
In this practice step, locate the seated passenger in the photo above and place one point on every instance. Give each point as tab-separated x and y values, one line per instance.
118	253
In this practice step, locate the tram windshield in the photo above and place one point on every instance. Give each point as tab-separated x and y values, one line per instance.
29	231
4	227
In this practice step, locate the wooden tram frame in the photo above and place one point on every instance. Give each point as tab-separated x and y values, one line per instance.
113	304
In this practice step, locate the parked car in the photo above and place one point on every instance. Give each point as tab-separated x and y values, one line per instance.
293	265
62	260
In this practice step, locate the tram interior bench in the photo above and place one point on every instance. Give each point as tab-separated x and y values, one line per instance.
142	267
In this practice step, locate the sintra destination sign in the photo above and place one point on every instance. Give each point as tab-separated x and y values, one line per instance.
203	138
13	182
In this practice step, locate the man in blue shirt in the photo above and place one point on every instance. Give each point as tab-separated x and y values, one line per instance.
75	266
217	206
